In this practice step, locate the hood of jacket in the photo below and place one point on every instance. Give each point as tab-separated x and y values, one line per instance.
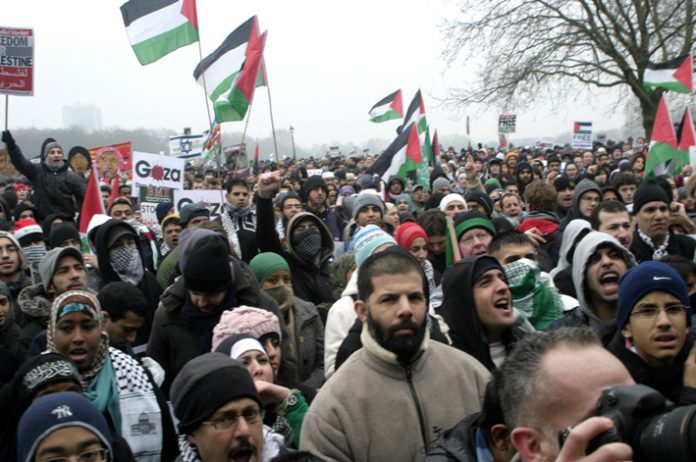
35	302
106	272
587	246
327	245
459	310
571	232
581	188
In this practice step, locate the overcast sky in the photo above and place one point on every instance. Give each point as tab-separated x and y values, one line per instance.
328	63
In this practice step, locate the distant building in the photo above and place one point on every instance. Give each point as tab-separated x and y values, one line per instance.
85	116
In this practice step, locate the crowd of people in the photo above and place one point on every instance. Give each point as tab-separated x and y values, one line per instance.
329	314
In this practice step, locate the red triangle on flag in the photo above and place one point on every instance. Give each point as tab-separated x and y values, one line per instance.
188	10
688	137
398	103
92	203
413	150
685	73
663	130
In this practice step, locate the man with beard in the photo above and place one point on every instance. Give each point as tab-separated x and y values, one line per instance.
352	419
239	220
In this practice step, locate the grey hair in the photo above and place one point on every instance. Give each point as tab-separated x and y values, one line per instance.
523	385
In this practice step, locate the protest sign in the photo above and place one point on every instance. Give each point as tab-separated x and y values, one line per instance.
212	199
582	135
16	61
112	159
157	170
507	123
149	197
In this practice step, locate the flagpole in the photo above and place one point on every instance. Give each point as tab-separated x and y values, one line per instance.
205	87
246	124
270	109
7	105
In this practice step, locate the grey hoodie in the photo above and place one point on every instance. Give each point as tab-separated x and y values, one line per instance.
580	189
583	252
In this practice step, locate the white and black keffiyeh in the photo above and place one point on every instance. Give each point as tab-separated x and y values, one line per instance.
658	252
127	264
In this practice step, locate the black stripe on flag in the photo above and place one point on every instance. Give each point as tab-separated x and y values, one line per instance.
385	100
238	37
674	63
384	160
136	9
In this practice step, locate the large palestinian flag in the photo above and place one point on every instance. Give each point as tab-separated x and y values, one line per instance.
687	139
388	108
663	143
157	27
402	156
674	75
232	72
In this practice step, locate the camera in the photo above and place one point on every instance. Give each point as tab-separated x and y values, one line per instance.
653	426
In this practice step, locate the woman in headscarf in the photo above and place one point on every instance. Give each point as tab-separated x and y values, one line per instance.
113	381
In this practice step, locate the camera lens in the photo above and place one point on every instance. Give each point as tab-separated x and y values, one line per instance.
670	436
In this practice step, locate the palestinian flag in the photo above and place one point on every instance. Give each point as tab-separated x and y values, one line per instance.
212	146
403	155
415	114
255	165
582	127
663	144
231	73
687	139
157	27
436	147
674	75
92	205
388	108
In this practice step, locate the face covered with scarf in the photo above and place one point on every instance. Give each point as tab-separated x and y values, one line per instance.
125	259
273	274
306	240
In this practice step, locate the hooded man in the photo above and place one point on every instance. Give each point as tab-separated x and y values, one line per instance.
315	194
524	175
586	197
395	187
56	188
120	257
598	263
15	270
477	308
211	282
397	364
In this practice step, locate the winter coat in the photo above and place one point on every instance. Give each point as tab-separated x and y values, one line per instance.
331	219
677	245
375	408
35	308
309	338
173	340
60	191
308	282
339	320
457	444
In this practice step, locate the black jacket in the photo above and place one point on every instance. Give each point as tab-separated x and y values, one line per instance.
60	191
457	444
677	245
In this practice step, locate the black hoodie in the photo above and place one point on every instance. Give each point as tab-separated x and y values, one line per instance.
148	285
459	311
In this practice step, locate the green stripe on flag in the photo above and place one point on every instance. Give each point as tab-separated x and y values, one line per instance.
389	115
231	107
150	50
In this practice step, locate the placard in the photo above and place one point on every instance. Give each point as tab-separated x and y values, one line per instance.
16	61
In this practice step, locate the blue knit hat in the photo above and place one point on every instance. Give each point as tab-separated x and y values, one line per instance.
367	239
53	412
649	276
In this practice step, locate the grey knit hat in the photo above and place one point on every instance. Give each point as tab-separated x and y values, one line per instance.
47	266
440	183
365	199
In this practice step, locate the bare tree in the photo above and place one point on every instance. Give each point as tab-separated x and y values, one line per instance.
544	48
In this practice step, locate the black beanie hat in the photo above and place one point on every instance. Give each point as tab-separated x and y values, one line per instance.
62	233
207	267
648	192
481	198
314	181
205	384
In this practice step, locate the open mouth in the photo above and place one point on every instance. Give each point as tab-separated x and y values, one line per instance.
241	455
503	305
610	282
78	355
666	340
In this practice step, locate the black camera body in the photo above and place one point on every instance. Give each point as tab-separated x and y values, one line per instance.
653	426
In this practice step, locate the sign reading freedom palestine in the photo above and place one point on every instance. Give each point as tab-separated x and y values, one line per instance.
16	61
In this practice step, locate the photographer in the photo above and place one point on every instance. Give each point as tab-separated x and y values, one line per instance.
653	322
552	381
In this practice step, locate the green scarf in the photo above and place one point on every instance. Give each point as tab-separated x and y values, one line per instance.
103	393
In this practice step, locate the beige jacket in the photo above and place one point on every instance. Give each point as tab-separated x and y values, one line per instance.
367	411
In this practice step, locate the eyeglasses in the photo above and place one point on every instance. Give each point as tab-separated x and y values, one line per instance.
93	455
651	311
8	249
482	236
228	420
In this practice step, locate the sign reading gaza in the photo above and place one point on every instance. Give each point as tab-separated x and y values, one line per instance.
212	199
156	170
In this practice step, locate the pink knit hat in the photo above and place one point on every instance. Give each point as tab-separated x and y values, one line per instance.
256	322
409	232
